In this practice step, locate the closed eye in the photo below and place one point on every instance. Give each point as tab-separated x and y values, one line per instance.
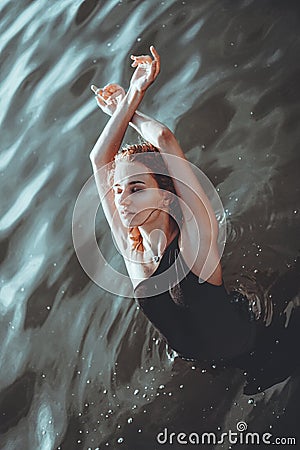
133	184
135	189
132	190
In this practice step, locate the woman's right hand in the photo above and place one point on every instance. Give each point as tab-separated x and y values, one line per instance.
108	97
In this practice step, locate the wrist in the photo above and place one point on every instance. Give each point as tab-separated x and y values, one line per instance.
134	96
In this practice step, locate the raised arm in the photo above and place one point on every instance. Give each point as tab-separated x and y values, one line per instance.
109	141
111	137
206	264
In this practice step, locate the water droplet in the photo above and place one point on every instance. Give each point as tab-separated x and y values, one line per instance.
120	440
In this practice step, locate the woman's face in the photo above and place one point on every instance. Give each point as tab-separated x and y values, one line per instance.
138	198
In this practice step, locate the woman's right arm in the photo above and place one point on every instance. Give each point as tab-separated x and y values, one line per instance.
112	135
110	140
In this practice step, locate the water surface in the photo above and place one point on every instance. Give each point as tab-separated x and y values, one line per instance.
81	368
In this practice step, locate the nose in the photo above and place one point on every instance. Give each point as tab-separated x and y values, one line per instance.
123	199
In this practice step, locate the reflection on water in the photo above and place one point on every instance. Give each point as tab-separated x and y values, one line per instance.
79	368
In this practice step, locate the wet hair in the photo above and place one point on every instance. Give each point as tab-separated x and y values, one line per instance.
145	153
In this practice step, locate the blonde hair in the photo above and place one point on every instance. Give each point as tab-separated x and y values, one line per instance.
150	156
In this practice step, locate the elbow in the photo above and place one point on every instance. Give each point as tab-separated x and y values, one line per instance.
97	160
94	159
92	156
165	137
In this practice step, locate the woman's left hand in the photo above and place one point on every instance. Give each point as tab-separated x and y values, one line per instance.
147	69
109	97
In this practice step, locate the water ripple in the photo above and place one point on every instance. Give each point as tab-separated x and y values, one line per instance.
76	363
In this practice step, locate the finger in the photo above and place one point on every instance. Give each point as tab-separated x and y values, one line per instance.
117	93
155	54
142	58
100	101
153	69
156	58
98	95
94	88
111	87
105	94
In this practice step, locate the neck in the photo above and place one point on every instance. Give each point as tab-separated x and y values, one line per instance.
157	237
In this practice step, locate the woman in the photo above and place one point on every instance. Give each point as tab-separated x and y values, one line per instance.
163	221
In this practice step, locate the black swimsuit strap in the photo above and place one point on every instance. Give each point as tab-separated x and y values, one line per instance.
170	251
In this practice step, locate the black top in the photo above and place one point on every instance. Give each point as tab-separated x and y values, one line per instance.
198	320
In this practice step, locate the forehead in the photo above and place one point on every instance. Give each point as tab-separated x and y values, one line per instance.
126	171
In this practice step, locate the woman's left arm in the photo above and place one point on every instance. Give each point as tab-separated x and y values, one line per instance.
207	260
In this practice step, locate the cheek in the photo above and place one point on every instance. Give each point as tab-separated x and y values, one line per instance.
148	199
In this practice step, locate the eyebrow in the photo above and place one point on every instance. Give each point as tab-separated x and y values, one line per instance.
131	183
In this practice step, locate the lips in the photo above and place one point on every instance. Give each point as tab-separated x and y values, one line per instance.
126	212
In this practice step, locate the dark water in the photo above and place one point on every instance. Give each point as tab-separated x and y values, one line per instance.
80	368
